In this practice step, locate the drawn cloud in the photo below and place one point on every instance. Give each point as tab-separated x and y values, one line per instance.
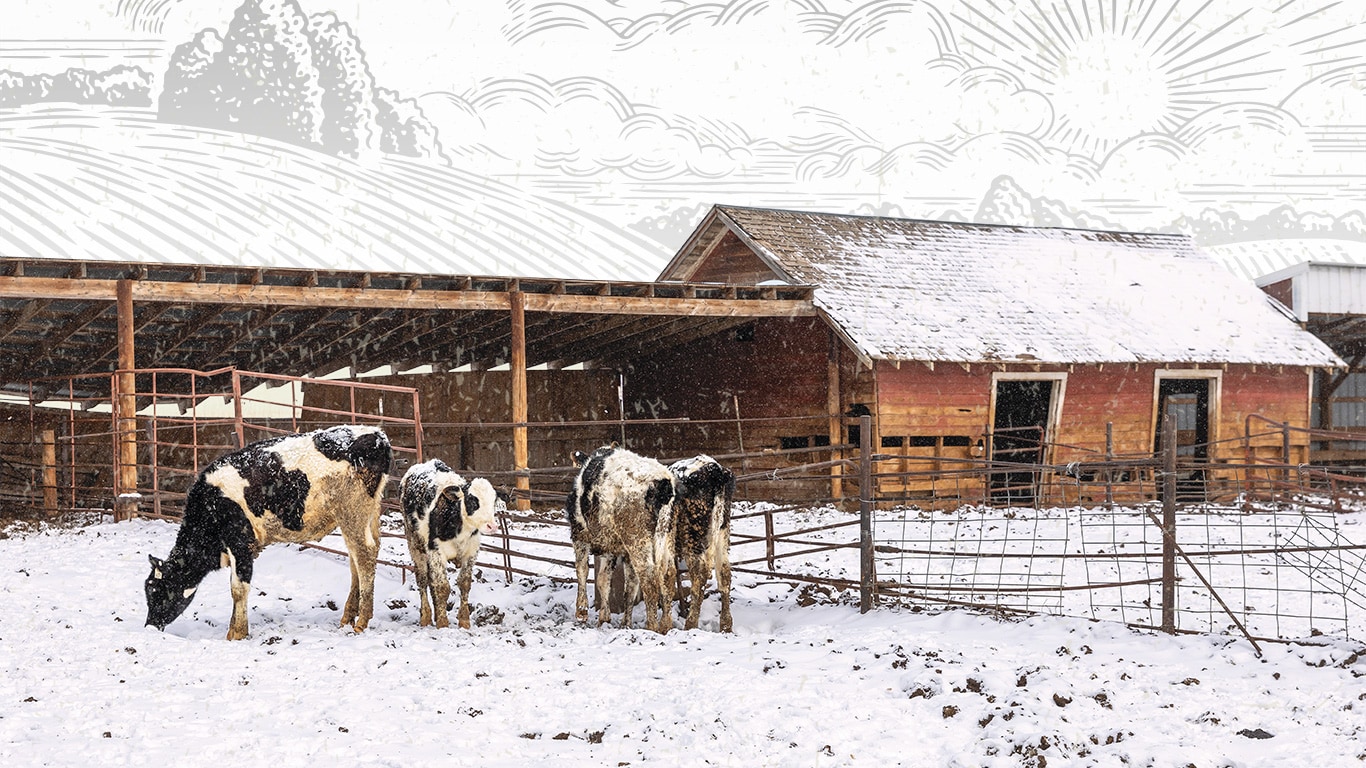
1336	98
804	17
582	126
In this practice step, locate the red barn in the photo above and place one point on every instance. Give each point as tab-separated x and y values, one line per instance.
965	340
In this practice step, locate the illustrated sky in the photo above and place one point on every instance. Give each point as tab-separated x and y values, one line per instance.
1136	111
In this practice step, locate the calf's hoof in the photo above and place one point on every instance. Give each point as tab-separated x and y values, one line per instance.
465	623
237	634
443	622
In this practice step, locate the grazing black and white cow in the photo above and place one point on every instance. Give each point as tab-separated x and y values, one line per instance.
621	506
703	490
294	488
443	517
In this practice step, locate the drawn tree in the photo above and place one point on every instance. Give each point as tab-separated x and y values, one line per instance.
350	117
190	91
17	88
405	129
270	86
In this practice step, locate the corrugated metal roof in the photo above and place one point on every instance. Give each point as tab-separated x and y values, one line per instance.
905	289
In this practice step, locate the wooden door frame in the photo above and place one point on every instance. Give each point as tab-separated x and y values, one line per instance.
1054	406
1216	391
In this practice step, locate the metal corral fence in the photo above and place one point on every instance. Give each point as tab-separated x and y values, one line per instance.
1259	549
1167	540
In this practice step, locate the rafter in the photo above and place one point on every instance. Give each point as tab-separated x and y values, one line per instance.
681	336
54	340
23	315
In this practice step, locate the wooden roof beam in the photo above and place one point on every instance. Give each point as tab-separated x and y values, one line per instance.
246	294
684	335
281	349
54	341
578	331
437	351
16	319
188	330
150	313
594	347
396	345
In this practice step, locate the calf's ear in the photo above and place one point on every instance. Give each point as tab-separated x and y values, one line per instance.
579	458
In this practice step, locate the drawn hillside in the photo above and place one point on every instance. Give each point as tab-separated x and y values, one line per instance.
119	185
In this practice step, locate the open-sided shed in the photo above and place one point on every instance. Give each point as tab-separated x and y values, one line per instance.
68	326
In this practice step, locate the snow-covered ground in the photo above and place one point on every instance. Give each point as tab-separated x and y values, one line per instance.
83	682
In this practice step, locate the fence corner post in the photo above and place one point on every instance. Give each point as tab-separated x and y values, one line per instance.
1169	523
867	566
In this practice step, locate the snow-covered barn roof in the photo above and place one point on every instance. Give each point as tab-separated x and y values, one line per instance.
902	289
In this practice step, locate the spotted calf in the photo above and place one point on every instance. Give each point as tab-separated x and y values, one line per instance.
294	488
443	518
621	506
703	490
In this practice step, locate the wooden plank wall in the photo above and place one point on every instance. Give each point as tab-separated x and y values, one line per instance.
778	371
731	261
923	405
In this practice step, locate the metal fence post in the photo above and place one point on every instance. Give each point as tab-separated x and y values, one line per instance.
1169	523
867	568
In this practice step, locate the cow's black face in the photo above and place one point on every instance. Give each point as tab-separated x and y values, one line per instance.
166	597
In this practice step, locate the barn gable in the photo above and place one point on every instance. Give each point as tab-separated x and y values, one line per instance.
902	289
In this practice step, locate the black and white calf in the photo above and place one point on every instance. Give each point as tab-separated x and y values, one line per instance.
294	488
621	506
443	517
703	490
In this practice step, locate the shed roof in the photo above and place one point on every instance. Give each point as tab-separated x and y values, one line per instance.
903	289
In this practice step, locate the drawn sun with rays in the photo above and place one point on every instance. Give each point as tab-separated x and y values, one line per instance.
1113	69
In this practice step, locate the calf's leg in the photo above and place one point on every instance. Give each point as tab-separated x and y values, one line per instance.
602	587
441	588
363	547
241	587
419	556
581	570
722	558
466	576
697	584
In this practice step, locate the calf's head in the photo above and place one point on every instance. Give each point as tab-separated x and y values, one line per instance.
167	596
481	502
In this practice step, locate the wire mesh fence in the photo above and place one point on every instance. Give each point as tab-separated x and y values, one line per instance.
1245	543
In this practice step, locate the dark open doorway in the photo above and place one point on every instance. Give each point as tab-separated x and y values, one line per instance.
1018	434
1188	401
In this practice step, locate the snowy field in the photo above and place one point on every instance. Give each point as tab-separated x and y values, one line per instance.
83	682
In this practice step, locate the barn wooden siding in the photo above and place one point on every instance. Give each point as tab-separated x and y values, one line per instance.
775	369
942	412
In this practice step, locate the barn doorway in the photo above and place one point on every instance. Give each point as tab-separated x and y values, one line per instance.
1023	409
1187	400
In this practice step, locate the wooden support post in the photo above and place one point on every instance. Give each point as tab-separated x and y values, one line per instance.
1109	459
1285	453
50	471
1169	523
832	407
520	455
867	584
126	406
